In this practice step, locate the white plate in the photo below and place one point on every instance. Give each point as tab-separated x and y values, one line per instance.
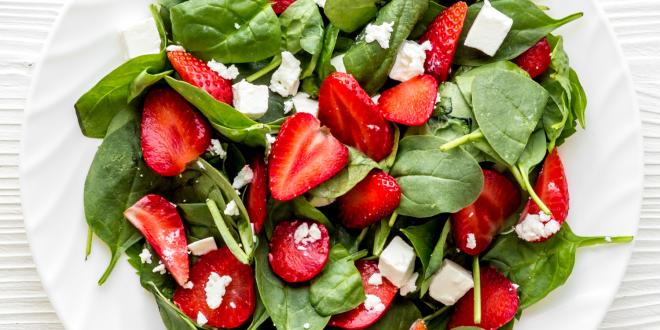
604	167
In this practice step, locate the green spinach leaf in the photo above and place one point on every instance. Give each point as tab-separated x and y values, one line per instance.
339	287
350	15
143	81
302	27
329	42
400	317
532	155
172	317
424	238
435	260
466	75
429	15
302	208
359	165
459	106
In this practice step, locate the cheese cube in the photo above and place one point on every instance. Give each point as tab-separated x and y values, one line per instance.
450	283
303	103
397	262
338	63
142	38
409	60
489	30
252	100
202	247
285	79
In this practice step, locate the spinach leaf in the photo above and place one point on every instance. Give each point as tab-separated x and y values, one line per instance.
530	24
507	107
302	27
578	99
368	62
359	165
329	42
302	208
459	106
164	282
199	222
532	155
172	317
288	306
206	28
429	15
143	81
400	317
339	286
434	182
435	260
164	12
350	15
381	235
386	163
465	77
556	80
259	316
423	238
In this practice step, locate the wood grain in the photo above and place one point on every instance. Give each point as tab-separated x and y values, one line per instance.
25	24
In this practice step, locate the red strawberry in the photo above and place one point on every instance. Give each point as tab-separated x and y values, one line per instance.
485	217
173	133
411	102
303	156
195	72
499	303
239	300
353	117
299	250
156	218
418	325
536	59
443	34
374	198
360	317
257	191
280	6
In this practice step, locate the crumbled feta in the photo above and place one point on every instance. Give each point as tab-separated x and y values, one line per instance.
160	268
303	103
450	283
142	38
250	99
306	325
410	286
338	63
232	209
244	176
397	261
375	279
320	3
237	26
288	106
175	48
306	234
215	289
537	226
471	241
188	285
375	98
320	201
216	149
201	319
270	139
373	304
409	60
489	30
284	80
203	246
226	72
145	256
379	33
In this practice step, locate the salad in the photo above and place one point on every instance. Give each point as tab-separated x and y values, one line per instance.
348	164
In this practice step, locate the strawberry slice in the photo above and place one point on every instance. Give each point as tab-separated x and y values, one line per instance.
411	102
353	117
239	299
299	250
172	133
443	34
374	198
158	221
419	325
380	297
195	72
535	60
475	226
303	156
257	191
499	303
279	6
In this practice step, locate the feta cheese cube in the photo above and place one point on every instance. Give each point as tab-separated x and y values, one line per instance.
489	30
409	60
410	286
397	262
252	100
188	285
202	247
338	63
142	38
226	72
215	289
303	103
285	79
379	33
450	283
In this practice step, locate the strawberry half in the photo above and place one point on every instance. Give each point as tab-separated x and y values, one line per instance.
411	102
303	156
374	198
299	250
499	303
172	132
158	221
195	72
360	317
475	226
257	192
353	117
443	34
237	303
535	60
280	6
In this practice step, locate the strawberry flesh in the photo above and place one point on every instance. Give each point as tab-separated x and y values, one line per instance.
158	221
374	198
279	6
443	34
239	300
411	102
195	72
419	325
257	192
535	60
296	255
303	156
353	117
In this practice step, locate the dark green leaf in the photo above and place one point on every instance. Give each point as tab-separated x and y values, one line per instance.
459	106
173	318
435	260
359	165
429	15
465	78
302	27
329	41
339	287
302	208
143	81
400	317
350	15
424	238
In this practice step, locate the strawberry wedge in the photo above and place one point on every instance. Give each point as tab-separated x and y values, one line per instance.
299	250
374	198
158	221
536	60
195	72
411	102
257	192
443	34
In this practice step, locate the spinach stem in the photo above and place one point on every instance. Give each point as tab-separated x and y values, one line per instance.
274	63
476	277
358	240
88	245
224	232
393	218
435	314
590	241
358	255
474	136
518	176
533	195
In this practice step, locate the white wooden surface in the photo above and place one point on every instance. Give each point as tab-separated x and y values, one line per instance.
25	24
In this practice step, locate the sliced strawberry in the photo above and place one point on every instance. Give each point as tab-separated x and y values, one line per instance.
499	303
157	219
299	250
361	317
353	117
238	301
411	102
172	133
257	191
536	59
418	325
279	6
195	72
475	226
374	198
443	34
303	156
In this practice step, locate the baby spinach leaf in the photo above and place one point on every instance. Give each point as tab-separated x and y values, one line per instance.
530	24
532	155
459	106
368	62
556	81
400	317
339	286
302	208
465	78
350	15
207	29
302	27
423	238
434	182
329	41
199	221
578	99
507	107
359	165
388	161
381	235
164	282
429	15
143	81
172	317
259	316
435	260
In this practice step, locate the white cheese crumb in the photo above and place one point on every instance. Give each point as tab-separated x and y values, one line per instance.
203	246
288	106
375	279
489	30
410	286
375	98
201	319
306	234
250	99
303	103
397	262
409	60
537	226
175	48
215	289
232	209
338	63
379	33
216	149
226	72
320	3
471	241
237	26
270	139
244	176
306	325
160	268
284	80
142	38
145	256
188	285
373	304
